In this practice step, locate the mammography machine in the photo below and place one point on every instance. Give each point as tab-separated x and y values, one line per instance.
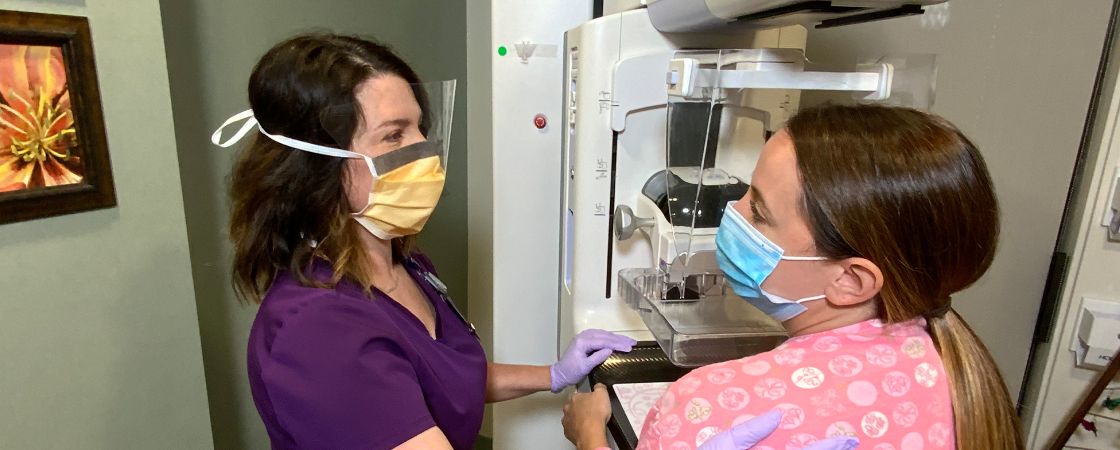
666	108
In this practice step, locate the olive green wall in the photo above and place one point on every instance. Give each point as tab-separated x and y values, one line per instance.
211	48
98	332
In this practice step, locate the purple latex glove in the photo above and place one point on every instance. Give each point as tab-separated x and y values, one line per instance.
588	349
747	434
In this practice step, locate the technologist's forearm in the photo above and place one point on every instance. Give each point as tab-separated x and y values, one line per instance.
510	381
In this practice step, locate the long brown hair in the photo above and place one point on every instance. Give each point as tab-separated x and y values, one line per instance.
909	192
289	207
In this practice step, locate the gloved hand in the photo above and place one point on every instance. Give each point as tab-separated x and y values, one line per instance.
588	349
747	434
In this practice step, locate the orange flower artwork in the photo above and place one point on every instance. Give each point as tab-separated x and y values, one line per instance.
38	140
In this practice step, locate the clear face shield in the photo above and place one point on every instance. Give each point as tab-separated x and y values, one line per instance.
403	135
397	125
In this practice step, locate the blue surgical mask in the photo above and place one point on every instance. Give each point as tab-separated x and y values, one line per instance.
747	258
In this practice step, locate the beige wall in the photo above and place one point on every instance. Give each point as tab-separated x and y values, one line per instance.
1017	77
211	47
98	331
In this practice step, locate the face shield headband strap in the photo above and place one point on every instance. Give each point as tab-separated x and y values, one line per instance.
251	121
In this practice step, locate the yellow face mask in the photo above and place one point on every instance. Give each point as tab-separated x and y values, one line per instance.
402	198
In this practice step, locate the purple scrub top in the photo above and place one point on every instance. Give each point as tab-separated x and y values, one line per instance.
334	369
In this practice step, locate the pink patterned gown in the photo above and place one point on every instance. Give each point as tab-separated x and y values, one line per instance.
885	385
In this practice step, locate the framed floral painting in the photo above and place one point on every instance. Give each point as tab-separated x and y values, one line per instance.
53	154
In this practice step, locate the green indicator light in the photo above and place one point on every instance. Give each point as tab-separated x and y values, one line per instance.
502	50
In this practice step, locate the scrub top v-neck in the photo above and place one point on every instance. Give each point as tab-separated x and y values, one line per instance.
410	317
333	368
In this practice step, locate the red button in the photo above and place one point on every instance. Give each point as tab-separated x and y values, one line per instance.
540	121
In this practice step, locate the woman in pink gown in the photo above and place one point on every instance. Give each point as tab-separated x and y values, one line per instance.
860	223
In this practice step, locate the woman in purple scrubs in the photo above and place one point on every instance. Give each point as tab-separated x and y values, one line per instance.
356	344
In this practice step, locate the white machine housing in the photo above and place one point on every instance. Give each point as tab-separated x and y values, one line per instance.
614	140
672	16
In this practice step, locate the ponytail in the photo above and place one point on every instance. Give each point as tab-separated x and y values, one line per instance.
983	418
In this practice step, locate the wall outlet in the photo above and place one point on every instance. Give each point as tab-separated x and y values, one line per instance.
1112	202
1098	340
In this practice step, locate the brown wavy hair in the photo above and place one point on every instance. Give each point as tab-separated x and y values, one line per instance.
289	207
911	193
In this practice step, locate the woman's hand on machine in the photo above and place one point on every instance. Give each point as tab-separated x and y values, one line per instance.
748	434
588	349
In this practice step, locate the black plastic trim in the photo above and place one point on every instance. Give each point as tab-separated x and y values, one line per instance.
902	11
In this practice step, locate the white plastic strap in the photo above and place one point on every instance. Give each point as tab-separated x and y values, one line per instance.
251	121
